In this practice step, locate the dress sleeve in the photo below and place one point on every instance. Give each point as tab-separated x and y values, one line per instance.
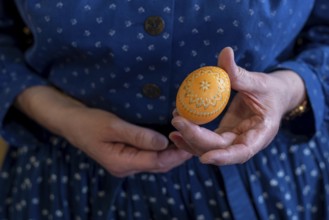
15	75
312	64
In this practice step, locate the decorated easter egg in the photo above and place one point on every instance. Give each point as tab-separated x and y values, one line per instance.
203	94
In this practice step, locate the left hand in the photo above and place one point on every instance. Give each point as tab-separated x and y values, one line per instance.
252	119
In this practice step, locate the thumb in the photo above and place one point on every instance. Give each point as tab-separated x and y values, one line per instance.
241	79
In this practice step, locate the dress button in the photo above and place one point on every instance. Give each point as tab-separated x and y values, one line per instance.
151	90
28	36
154	25
26	31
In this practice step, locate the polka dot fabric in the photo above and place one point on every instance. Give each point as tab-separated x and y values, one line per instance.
102	53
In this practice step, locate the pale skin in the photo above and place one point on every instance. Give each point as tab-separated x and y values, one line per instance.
250	124
120	147
252	119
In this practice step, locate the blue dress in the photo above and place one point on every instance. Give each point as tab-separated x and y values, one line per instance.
129	57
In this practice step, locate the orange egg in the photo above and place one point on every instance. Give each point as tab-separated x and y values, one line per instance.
203	94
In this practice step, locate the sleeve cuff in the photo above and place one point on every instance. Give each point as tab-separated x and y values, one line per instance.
314	93
10	89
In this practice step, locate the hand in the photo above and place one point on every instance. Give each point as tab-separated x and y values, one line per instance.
252	119
120	147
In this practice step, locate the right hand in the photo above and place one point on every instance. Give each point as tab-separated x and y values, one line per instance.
251	121
120	147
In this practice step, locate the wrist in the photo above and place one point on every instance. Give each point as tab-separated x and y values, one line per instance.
47	106
293	91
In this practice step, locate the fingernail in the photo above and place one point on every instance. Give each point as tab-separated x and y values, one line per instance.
160	142
175	113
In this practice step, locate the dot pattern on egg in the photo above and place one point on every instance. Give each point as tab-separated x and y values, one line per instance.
203	94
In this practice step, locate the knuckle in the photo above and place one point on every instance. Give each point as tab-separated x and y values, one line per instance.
241	73
239	78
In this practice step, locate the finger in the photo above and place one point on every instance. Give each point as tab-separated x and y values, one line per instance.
229	122
160	161
151	161
143	138
241	79
121	159
180	143
175	112
197	136
170	158
235	154
245	146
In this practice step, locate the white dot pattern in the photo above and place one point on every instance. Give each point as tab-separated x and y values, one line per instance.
100	53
